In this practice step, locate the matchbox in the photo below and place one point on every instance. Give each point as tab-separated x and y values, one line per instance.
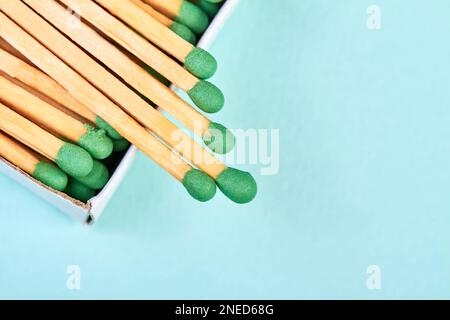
89	212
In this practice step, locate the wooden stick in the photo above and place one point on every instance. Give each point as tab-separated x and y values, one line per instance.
125	67
40	82
40	112
116	90
29	133
92	98
134	43
43	86
182	11
170	8
149	27
198	61
154	13
44	98
18	154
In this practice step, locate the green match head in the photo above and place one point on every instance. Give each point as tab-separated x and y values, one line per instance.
97	178
239	186
110	131
218	138
207	96
184	32
79	191
211	8
74	160
193	17
214	1
199	185
97	143
200	63
50	175
121	145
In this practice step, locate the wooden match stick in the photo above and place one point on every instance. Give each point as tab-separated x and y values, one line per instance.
156	32
216	136
180	29
204	94
198	184
30	162
72	159
182	11
39	81
44	114
114	88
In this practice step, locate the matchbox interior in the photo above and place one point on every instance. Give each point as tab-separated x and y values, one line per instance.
90	211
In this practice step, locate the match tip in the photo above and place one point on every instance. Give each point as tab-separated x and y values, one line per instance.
201	63
184	32
110	131
238	186
214	1
97	178
193	17
120	145
218	138
207	97
50	175
211	8
97	143
74	160
79	191
199	185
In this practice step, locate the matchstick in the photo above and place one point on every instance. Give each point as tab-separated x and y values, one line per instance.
182	11
72	159
46	115
97	178
210	8
241	183
215	135
199	185
79	191
180	29
198	61
203	93
38	80
114	88
31	163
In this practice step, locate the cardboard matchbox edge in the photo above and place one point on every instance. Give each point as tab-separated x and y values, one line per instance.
90	212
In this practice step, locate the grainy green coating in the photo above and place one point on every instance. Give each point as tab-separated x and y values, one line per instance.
79	191
110	131
200	63
238	186
193	17
199	185
184	32
207	97
97	143
50	175
74	160
219	139
211	8
97	178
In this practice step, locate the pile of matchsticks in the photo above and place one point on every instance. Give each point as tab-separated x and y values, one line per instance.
81	79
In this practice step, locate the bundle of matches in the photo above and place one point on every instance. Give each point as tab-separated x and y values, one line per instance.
58	80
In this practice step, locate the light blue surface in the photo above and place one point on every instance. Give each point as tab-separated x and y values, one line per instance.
364	119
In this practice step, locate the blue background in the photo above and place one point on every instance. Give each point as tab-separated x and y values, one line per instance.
364	173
